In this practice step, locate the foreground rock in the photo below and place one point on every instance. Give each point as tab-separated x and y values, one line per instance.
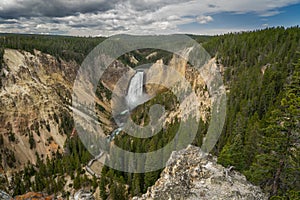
4	196
190	175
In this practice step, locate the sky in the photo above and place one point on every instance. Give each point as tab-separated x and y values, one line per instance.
144	17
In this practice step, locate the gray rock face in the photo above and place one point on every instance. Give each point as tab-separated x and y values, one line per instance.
4	196
192	174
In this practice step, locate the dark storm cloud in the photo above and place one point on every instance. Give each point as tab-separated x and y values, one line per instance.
52	8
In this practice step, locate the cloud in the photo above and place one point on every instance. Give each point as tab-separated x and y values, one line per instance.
265	25
270	13
52	8
107	17
204	19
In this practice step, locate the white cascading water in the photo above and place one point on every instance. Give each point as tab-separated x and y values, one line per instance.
135	90
135	96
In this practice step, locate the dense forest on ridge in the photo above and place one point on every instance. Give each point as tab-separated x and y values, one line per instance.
261	135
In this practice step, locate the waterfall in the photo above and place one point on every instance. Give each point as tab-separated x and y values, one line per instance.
135	96
135	90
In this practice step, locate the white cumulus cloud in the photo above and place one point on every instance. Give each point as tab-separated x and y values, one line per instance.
204	19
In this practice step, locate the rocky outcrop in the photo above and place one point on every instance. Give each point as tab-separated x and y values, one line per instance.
192	174
161	78
83	195
35	92
35	106
4	196
114	73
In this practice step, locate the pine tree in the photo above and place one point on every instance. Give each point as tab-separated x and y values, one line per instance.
136	184
277	165
102	187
